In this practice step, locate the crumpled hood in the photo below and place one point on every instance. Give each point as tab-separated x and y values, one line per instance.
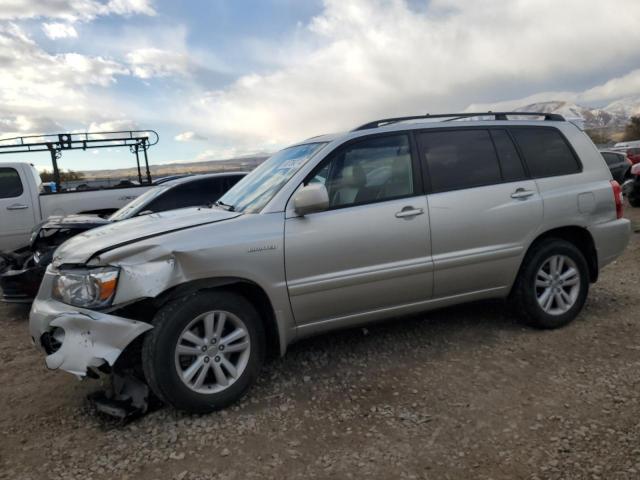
79	249
74	221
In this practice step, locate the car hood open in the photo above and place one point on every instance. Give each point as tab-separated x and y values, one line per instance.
80	249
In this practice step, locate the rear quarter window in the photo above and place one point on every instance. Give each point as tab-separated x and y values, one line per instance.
546	152
10	183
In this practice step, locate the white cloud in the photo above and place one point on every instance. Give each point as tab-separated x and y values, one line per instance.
22	124
72	10
113	125
624	86
154	62
188	137
365	59
225	153
59	30
39	91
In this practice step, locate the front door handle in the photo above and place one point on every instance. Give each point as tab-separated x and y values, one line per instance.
17	206
409	212
522	193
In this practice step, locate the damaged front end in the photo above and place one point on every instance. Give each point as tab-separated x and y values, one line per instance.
86	343
101	291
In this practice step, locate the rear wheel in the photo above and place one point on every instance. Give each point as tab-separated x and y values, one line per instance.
204	351
553	283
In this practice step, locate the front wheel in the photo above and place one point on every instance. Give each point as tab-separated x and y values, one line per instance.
204	351
553	283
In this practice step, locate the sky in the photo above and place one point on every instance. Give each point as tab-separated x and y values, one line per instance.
224	78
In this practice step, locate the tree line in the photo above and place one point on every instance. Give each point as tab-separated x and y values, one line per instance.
65	176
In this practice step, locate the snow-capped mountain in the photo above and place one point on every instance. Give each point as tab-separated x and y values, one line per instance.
615	115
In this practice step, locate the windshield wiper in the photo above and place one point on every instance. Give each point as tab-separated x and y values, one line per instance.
228	207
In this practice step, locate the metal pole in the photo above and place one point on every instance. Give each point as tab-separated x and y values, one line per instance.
54	161
146	160
138	164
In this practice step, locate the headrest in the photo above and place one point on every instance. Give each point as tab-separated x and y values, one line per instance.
353	176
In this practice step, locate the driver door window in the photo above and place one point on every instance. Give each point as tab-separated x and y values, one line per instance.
373	170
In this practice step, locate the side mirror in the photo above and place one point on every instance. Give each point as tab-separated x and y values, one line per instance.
311	198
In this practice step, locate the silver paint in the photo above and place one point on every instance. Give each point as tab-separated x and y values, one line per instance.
343	267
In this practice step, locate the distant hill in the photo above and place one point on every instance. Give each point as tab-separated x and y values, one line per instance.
611	118
233	164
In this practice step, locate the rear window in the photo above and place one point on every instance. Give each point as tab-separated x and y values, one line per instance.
459	159
10	184
546	152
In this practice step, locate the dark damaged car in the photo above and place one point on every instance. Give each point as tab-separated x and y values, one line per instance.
21	271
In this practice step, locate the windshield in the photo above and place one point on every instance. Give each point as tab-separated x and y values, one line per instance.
134	206
256	189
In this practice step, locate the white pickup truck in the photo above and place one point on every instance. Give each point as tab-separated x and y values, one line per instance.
24	204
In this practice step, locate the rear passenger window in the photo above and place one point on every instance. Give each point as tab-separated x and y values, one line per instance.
510	163
10	184
546	152
459	159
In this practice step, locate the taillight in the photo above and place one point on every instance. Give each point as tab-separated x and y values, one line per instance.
617	196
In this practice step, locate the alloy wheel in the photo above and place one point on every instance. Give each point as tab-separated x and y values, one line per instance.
212	351
557	284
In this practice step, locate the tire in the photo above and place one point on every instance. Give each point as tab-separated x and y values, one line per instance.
634	201
165	368
527	294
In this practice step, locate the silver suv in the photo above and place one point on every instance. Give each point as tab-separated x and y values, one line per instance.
398	216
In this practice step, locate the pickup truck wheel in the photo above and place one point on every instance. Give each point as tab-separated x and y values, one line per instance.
204	351
553	283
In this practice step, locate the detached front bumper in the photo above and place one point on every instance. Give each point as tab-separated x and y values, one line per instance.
76	339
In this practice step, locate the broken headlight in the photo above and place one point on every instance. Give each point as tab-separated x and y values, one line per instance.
86	288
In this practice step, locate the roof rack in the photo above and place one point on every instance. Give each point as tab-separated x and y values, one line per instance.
136	140
457	116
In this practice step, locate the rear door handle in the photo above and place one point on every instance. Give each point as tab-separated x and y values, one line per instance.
17	206
409	212
522	193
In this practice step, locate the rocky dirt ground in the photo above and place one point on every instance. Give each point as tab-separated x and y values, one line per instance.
461	393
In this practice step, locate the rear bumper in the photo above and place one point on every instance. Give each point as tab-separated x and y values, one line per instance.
610	238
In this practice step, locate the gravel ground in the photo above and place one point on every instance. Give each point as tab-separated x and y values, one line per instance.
465	392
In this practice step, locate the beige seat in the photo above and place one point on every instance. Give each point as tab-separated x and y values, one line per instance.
348	185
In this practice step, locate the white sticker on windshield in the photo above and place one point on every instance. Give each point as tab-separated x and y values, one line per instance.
294	162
